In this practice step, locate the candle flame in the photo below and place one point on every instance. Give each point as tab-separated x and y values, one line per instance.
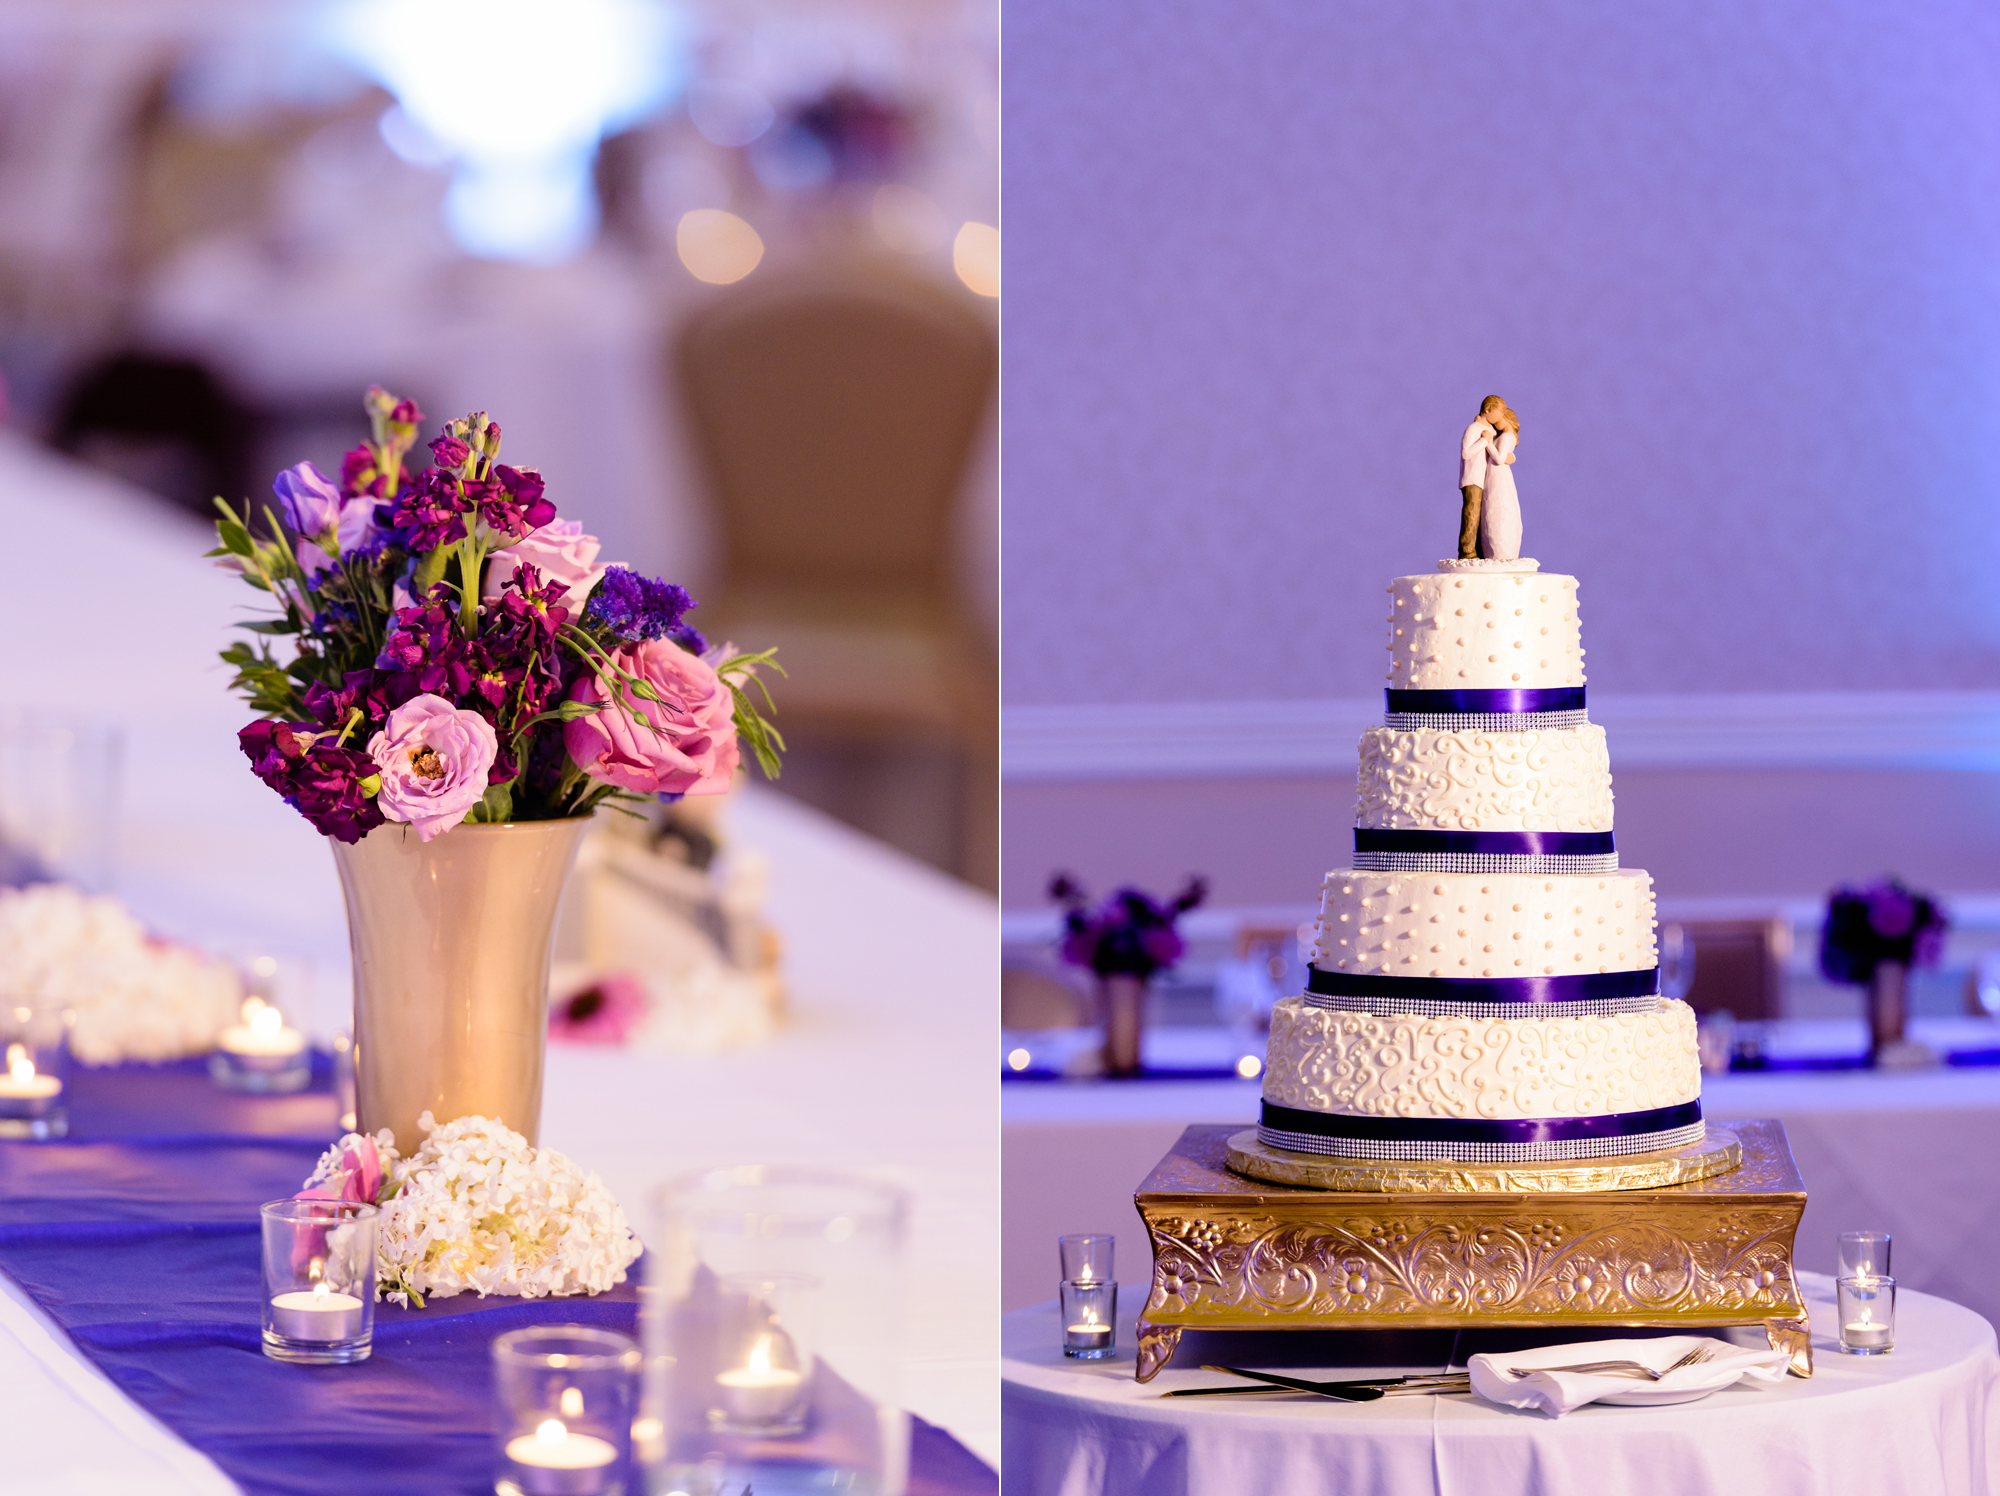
18	1064
252	1006
760	1355
571	1402
266	1022
551	1431
322	1289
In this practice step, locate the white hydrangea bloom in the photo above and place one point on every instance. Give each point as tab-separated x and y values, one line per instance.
476	1208
134	998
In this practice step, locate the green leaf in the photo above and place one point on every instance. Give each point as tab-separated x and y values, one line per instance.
496	805
234	537
289	625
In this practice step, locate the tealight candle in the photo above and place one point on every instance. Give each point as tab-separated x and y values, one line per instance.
320	1314
21	1082
1089	1312
554	1461
758	1392
261	1053
1867	1315
262	1034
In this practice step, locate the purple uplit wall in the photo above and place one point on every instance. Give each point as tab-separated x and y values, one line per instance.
1737	265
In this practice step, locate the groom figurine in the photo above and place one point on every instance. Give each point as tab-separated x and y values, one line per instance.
1472	476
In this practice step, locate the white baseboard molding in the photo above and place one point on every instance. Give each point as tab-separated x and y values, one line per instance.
1892	730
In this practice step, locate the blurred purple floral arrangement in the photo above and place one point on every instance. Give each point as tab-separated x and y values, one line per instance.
1130	934
445	650
1884	922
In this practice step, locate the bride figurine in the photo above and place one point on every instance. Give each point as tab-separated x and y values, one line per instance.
1500	517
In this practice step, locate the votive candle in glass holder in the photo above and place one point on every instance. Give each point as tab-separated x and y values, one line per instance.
1864	1254
1087	1258
566	1397
766	1345
1867	1315
34	1068
1090	1319
262	1054
319	1281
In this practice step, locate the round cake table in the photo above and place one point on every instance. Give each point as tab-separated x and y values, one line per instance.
1925	1418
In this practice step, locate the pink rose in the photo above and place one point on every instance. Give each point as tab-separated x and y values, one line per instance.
434	760
560	551
682	744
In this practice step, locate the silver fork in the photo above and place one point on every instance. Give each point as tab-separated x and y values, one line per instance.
1695	1357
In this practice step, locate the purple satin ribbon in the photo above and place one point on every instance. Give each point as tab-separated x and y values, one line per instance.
1489	843
1462	703
1465	1130
1584	986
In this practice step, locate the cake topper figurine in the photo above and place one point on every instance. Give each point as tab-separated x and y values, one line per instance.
1489	522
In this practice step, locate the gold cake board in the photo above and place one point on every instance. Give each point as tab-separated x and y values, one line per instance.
1234	1253
1717	1153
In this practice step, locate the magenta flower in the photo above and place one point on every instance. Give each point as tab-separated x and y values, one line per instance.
434	761
682	744
605	1012
359	1178
324	783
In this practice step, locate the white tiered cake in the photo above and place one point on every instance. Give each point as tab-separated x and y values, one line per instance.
1484	984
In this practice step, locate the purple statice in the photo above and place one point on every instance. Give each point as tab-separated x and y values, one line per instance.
635	607
1884	922
431	512
689	638
1129	934
320	780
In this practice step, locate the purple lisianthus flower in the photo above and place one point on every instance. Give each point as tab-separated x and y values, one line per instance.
434	760
308	500
635	607
326	784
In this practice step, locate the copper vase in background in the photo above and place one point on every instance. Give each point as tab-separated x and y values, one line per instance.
1888	1007
1122	999
451	941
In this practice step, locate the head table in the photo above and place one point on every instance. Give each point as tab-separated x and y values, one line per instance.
1916	1419
889	968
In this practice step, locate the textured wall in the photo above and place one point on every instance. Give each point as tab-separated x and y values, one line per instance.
1736	264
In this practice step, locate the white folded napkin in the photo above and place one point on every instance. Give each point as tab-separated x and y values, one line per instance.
1558	1392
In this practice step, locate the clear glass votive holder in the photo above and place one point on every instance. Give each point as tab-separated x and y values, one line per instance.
1090	1320
319	1281
773	1311
1864	1254
58	800
566	1397
34	1068
1867	1315
263	1054
1087	1258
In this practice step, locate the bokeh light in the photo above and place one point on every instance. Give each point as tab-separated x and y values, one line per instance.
975	255
515	95
717	246
908	220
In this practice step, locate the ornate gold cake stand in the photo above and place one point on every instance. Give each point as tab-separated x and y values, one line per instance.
1417	1246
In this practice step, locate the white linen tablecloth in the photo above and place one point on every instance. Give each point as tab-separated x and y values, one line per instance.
885	1067
1917	1420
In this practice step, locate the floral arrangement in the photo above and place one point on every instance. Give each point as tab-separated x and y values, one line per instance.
477	1209
135	997
458	654
1884	922
1130	934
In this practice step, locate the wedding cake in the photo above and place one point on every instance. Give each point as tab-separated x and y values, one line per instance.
1483	985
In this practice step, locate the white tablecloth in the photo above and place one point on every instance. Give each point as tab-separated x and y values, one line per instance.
1921	1419
885	1068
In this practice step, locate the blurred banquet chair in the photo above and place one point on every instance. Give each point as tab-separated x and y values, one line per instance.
166	424
1738	966
835	408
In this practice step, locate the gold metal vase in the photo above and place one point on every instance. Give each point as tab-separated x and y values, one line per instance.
451	940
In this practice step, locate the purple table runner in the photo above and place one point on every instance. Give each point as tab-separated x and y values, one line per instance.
139	1237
